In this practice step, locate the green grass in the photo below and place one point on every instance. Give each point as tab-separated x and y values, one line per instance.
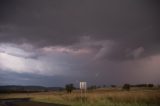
101	97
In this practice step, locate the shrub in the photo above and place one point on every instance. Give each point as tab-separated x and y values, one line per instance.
150	85
126	87
113	86
69	88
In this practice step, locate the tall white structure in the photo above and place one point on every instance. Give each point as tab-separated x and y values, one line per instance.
83	85
83	88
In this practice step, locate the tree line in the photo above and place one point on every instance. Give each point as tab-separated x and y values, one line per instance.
70	87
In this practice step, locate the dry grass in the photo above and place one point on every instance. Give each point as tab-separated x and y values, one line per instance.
101	97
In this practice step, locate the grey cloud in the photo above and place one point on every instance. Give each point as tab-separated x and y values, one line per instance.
15	50
12	78
136	53
130	24
100	34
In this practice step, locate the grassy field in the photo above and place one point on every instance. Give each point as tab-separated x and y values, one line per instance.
99	97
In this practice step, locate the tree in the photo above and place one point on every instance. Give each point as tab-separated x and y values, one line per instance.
113	86
92	87
104	86
150	85
126	87
69	88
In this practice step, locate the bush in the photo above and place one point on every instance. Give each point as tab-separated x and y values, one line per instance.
150	85
126	87
113	86
69	88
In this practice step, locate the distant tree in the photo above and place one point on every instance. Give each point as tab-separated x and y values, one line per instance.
104	86
98	86
113	86
92	87
69	88
126	87
141	85
150	85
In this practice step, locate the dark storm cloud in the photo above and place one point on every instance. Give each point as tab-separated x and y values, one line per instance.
131	24
12	78
77	37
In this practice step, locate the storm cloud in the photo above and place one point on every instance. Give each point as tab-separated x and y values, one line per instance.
102	42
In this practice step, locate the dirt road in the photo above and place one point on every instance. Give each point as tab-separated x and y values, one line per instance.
25	102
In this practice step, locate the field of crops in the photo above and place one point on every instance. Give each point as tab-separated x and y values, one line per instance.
99	97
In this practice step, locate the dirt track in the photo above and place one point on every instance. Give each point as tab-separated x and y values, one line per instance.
25	102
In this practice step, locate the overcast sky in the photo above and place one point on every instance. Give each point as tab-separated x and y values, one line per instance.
55	42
